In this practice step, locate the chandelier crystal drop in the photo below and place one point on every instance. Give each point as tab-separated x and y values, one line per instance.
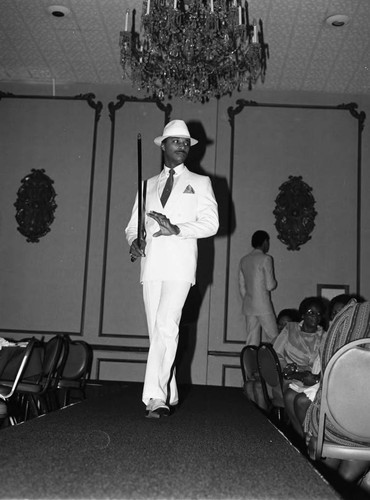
193	49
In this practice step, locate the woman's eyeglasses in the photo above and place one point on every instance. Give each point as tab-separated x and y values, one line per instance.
311	312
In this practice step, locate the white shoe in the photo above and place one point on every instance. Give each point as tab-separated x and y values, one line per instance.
157	408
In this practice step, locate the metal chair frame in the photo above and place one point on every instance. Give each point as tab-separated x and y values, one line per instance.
20	373
248	362
40	397
271	375
77	370
345	401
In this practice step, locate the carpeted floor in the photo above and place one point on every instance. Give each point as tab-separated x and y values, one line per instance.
215	446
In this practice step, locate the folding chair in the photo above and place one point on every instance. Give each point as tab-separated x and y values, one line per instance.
248	362
272	380
8	392
252	386
40	396
76	371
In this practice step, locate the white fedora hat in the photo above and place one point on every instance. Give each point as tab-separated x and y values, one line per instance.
175	128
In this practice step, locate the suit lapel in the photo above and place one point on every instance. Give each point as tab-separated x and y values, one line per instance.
153	193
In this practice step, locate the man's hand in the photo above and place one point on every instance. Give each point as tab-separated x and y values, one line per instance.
137	249
166	228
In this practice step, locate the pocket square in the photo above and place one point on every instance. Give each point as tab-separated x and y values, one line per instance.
189	189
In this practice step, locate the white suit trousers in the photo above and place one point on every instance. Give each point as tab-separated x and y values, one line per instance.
164	301
262	328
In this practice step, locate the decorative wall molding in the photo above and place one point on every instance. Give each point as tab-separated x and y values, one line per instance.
241	104
111	361
97	106
35	205
295	213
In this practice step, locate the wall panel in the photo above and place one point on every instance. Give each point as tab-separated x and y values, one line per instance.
45	282
128	369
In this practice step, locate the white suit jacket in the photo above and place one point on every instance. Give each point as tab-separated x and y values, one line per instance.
193	208
256	280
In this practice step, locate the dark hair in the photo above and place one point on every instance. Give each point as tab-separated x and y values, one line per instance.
339	299
308	302
291	313
258	238
342	299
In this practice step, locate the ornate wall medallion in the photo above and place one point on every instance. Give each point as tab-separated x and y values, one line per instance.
294	213
35	205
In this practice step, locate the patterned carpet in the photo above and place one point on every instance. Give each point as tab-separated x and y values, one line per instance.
216	445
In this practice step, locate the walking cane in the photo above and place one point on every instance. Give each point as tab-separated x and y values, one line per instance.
140	225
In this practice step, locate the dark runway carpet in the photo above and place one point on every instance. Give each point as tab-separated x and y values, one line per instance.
216	445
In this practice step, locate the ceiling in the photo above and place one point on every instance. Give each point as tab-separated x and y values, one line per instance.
306	54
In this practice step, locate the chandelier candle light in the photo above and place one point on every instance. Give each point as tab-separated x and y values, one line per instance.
193	49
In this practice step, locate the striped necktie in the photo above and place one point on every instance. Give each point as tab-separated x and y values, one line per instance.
168	187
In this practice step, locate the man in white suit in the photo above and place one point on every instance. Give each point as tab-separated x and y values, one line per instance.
169	257
256	281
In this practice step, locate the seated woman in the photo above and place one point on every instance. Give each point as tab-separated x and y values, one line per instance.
297	346
297	403
351	323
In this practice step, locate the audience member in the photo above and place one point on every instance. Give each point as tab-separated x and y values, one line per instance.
296	403
297	346
286	316
336	305
256	280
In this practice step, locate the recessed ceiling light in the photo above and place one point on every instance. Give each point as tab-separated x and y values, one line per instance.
337	20
58	10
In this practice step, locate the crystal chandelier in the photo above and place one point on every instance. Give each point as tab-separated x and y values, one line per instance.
196	49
